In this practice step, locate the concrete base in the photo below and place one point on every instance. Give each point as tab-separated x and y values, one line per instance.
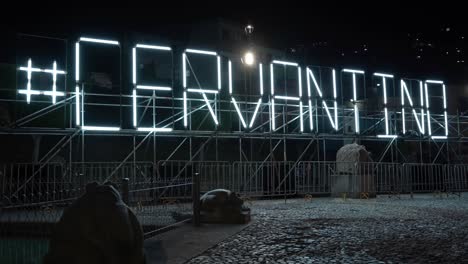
354	186
186	242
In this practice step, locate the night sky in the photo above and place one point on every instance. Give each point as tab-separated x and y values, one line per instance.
397	37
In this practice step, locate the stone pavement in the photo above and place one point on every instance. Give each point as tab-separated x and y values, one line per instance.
425	229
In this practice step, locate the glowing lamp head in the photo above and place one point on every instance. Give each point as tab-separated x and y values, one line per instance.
249	58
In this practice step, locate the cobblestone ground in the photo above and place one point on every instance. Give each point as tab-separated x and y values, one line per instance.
425	229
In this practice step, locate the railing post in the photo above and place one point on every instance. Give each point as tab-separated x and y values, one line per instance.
125	191
196	198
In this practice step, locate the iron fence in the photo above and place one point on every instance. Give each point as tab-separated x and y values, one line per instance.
33	196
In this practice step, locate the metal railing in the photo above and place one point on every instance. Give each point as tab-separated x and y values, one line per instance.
33	196
32	184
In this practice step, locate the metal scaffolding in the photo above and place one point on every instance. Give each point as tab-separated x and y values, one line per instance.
257	143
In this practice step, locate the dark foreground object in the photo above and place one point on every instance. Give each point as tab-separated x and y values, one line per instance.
97	228
223	207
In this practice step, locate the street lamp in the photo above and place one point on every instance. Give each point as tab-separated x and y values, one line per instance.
249	58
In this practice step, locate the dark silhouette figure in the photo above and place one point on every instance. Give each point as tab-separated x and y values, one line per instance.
97	228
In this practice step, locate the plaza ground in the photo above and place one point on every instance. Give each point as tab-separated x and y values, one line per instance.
424	229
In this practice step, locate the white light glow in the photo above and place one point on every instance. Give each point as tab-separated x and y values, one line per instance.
317	87
301	120
28	69
285	63
134	65
405	91
429	127
249	58
328	114
77	106
356	118
420	124
356	110
299	77
77	78
134	108
421	95
28	86
210	108
257	107
273	123
311	120
354	88
310	75
230	76
49	93
403	120
146	87
28	91
25	91
239	112
154	129
334	83
434	81
144	46
100	128
272	78
184	70
445	108
261	78
383	75
445	97
196	90
446	123
283	97
353	71
292	98
54	73
201	52
185	109
336	115
427	95
77	61
384	83
101	41
255	112
387	136
219	72
154	88
301	117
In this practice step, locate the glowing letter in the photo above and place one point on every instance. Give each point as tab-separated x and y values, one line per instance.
429	127
405	91
384	85
236	106
199	89
81	93
287	98
137	87
334	119
356	110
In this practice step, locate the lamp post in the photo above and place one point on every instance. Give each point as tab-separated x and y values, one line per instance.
248	58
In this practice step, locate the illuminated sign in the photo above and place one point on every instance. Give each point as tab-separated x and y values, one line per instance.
419	111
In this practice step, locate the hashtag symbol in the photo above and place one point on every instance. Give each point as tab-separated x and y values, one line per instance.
28	91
